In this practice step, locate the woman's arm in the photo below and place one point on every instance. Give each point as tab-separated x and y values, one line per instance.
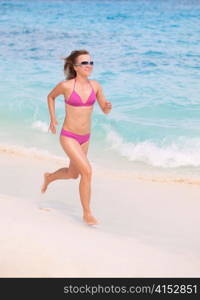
105	105
58	90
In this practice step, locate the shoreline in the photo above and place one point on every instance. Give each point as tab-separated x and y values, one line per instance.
126	174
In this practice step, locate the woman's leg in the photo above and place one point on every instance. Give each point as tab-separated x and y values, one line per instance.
77	154
64	173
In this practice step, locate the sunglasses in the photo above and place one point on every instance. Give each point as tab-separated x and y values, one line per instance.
85	63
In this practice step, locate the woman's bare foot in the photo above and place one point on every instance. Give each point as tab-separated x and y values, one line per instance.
46	182
90	220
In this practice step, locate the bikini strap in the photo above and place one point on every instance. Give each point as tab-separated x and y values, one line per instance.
90	84
74	82
88	81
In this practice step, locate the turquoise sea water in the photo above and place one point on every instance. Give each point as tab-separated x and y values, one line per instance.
147	59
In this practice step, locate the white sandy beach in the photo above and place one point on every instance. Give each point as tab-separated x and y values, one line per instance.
147	229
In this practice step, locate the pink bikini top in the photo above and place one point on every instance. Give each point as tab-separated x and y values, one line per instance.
76	100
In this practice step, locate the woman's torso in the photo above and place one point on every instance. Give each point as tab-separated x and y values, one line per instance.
78	118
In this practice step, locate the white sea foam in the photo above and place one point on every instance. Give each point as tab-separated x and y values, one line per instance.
40	125
183	152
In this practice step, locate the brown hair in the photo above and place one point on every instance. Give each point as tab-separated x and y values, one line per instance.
70	60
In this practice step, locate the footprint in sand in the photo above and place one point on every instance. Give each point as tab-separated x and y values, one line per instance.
45	208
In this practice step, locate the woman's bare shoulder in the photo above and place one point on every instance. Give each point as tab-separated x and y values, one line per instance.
96	84
94	81
67	83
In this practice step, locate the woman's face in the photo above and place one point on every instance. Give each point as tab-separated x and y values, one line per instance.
83	69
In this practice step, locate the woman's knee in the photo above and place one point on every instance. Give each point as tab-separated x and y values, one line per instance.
87	172
75	176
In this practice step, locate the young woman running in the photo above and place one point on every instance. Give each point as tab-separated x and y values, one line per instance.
80	95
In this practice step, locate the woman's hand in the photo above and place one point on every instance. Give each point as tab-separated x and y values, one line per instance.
52	126
107	107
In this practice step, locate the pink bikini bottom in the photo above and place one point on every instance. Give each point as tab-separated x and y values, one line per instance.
80	138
